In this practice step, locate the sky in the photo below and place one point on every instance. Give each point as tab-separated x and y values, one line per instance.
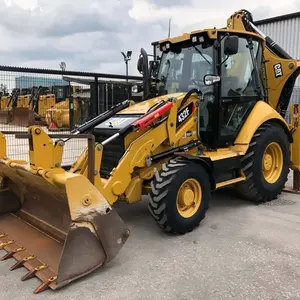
90	34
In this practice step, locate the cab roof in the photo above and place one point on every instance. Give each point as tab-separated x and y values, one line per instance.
212	34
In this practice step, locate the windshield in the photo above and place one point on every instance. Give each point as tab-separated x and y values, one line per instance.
180	72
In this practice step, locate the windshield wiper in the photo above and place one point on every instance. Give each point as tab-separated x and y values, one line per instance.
201	54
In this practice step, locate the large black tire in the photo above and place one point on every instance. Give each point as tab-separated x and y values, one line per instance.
256	188
164	191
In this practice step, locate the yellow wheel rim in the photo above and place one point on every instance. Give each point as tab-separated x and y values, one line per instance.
189	198
272	162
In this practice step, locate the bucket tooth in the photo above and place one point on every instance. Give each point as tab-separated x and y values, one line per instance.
32	273
20	263
2	245
10	254
44	285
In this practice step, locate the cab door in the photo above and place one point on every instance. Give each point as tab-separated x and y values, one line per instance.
239	89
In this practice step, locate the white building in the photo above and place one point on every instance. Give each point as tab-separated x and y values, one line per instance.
285	31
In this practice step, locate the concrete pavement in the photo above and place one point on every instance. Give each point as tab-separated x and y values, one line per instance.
240	251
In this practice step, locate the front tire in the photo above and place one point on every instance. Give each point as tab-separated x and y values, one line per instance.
179	197
266	164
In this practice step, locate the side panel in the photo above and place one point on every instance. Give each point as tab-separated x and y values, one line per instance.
295	147
261	113
279	73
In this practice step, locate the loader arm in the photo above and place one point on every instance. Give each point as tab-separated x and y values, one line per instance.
121	179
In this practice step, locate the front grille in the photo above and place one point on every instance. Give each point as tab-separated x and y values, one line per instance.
112	153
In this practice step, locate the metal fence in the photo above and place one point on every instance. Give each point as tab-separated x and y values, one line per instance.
58	101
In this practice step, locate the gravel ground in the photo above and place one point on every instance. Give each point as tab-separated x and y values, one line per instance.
240	251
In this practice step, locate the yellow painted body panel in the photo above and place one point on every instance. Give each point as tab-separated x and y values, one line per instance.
222	153
59	113
4	102
295	146
261	113
22	101
276	85
46	102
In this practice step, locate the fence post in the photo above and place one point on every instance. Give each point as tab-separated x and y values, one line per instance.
96	112
71	107
94	105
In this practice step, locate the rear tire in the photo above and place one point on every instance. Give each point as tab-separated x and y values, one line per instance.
179	197
266	164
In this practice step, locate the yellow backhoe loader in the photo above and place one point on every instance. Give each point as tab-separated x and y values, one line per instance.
213	116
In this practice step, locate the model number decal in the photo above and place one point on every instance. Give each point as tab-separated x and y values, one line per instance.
278	70
183	114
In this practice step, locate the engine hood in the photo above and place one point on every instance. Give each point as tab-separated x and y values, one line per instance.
143	107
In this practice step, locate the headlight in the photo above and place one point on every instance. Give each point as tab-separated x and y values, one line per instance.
196	39
135	89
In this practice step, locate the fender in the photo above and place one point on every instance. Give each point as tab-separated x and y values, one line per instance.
261	113
203	162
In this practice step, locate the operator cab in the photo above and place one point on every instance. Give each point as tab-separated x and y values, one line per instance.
227	71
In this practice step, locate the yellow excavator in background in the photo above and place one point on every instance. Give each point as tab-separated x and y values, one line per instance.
213	116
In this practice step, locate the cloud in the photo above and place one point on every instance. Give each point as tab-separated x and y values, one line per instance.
90	34
171	3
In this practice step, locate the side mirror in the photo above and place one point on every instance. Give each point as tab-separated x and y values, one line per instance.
231	45
211	79
140	65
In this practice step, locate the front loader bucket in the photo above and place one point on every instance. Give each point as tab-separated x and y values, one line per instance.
56	224
22	116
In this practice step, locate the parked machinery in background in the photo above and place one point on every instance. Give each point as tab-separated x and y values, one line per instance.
59	116
32	107
8	102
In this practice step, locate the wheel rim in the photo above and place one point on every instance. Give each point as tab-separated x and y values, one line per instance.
189	198
272	162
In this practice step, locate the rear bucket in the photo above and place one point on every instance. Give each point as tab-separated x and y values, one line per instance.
57	225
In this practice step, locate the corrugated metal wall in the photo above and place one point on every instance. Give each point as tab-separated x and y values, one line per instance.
287	35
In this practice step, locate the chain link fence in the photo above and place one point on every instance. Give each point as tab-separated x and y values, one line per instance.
59	101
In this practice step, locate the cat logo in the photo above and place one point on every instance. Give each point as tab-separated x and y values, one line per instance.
278	70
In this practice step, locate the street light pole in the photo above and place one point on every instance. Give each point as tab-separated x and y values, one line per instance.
126	60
